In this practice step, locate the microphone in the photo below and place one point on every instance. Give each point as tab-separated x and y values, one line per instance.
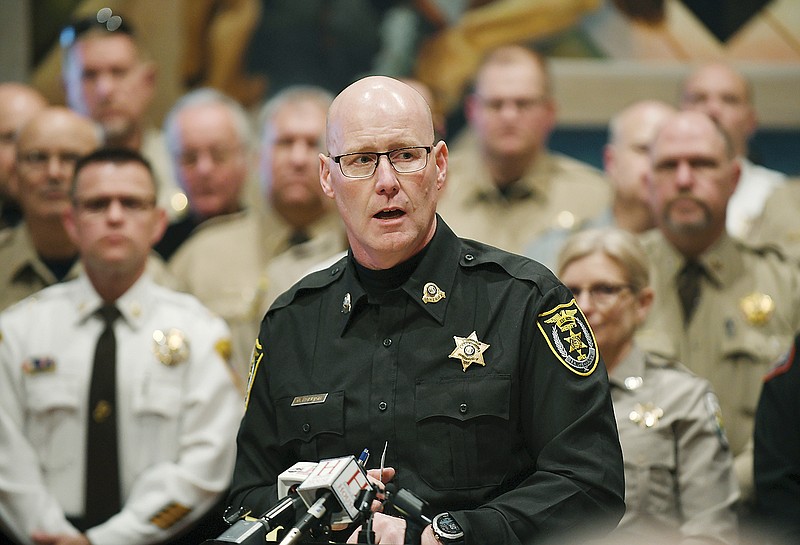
407	504
311	519
252	531
333	488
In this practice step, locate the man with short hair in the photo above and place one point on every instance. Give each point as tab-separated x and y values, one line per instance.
725	94
18	103
505	187
108	77
209	138
444	349
626	158
295	212
113	381
38	252
722	308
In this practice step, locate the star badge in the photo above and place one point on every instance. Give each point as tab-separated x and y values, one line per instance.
469	350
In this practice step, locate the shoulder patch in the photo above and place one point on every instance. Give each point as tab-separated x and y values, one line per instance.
570	338
315	280
715	416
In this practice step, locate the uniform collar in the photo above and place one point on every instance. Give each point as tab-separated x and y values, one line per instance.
629	374
131	305
722	261
438	267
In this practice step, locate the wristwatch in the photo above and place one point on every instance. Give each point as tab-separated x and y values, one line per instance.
446	529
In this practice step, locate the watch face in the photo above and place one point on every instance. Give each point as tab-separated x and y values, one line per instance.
446	527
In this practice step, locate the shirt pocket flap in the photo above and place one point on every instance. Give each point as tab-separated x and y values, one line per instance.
158	398
304	421
463	398
51	392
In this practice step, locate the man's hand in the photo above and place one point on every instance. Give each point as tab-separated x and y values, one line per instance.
388	530
43	538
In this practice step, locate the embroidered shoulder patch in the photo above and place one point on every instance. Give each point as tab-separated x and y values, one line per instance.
570	338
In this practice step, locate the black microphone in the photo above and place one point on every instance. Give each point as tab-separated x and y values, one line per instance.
254	531
311	519
407	503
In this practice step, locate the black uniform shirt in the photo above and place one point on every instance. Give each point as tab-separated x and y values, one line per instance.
479	371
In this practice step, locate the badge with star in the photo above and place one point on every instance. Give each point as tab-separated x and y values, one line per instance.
570	338
469	350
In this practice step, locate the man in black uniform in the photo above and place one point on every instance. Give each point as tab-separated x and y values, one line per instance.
474	364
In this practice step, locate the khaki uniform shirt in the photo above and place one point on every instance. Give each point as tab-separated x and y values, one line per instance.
178	411
556	192
779	223
23	273
223	265
679	478
747	314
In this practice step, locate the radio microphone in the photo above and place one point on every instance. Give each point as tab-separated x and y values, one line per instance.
333	487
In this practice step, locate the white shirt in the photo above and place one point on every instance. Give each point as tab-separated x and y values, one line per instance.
178	415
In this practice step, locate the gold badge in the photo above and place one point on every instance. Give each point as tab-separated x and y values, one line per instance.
570	338
171	348
757	308
432	294
469	350
647	415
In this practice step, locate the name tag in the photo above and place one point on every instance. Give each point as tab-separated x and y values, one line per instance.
311	399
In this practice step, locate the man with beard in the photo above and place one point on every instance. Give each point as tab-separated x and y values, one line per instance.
727	310
109	78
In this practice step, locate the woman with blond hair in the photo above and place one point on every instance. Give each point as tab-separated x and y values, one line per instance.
680	484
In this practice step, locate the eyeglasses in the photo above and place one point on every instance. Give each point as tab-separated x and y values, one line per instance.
602	295
101	205
218	156
38	159
364	164
521	105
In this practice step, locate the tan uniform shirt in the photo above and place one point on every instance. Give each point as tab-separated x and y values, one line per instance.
557	191
223	265
779	222
679	478
748	312
23	273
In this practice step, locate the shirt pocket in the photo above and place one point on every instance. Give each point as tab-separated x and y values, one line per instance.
464	438
157	407
650	471
305	426
55	428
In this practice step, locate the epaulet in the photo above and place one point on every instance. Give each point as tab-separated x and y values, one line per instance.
664	362
762	249
476	253
315	281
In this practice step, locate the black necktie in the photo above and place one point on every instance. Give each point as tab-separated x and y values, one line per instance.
102	457
689	288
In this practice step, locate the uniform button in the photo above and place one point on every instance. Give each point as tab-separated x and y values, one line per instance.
463	408
306	427
382	405
469	257
387	342
334	271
